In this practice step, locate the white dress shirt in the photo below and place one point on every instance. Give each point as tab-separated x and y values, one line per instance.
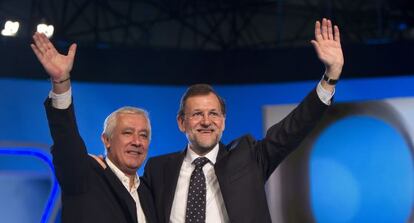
215	209
133	191
61	101
324	95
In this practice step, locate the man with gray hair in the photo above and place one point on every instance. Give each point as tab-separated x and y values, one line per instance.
95	190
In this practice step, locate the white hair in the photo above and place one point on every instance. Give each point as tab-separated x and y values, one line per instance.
111	120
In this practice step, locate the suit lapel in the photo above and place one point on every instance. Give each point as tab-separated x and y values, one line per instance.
220	162
171	174
145	202
222	152
121	193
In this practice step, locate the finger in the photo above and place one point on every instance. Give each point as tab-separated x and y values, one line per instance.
46	44
318	35
330	35
72	50
337	36
38	43
43	38
40	56
37	52
315	45
324	29
43	43
50	47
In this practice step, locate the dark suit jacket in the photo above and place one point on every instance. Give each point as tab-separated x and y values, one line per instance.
89	193
242	167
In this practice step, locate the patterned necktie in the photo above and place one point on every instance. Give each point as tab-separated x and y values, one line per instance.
196	200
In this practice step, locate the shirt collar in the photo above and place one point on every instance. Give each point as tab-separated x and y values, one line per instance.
122	176
211	156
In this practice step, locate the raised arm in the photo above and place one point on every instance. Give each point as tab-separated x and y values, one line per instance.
284	137
70	157
327	44
57	66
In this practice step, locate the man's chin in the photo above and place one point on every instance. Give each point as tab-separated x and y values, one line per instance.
134	165
206	146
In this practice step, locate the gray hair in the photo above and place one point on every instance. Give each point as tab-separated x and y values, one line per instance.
111	120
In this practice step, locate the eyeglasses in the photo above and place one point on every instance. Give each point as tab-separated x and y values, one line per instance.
199	115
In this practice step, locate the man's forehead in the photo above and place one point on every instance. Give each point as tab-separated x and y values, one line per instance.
129	118
144	128
130	115
133	127
201	101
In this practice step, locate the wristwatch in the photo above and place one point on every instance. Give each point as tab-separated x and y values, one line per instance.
329	80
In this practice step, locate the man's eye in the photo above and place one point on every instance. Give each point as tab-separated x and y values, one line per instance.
143	135
197	114
214	114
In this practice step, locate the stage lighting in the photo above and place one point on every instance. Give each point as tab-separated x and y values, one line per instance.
10	28
46	29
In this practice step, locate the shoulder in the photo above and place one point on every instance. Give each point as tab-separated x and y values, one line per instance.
246	140
163	158
158	164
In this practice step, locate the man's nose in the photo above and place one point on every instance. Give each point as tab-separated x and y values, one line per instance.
136	140
206	119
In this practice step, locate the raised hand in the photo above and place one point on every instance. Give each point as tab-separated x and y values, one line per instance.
327	45
58	66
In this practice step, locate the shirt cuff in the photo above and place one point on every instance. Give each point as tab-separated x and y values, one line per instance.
61	101
324	94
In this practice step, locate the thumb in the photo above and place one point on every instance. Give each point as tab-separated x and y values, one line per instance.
72	50
316	47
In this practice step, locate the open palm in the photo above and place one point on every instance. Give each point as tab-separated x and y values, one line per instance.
57	65
327	45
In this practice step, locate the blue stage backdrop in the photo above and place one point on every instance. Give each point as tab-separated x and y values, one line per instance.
23	118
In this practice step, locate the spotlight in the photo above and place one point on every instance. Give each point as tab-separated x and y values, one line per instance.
10	28
46	29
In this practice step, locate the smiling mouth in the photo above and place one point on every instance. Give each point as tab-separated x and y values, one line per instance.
205	131
134	153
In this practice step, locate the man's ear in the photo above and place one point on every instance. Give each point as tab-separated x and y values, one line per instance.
224	123
106	141
180	122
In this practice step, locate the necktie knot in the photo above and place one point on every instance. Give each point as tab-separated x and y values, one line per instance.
200	162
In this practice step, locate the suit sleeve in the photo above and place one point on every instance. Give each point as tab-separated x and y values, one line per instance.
285	136
68	150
